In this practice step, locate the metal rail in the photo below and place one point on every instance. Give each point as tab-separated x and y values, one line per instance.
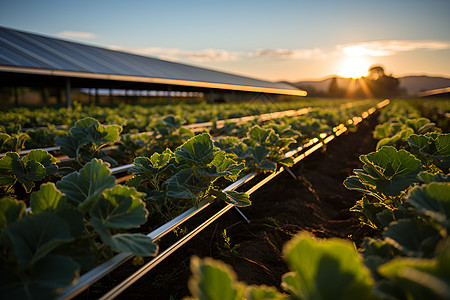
338	130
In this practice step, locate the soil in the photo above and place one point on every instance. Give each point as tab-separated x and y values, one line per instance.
315	201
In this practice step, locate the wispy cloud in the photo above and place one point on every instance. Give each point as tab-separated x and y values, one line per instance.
390	47
76	34
220	55
289	53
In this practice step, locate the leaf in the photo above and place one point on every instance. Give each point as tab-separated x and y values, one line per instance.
428	177
43	157
184	184
260	135
120	207
35	236
421	278
328	269
84	187
232	197
264	292
198	150
353	183
138	244
43	280
391	171
411	237
213	280
11	210
48	198
90	130
433	201
7	163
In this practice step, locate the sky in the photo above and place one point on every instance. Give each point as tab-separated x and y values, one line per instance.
288	40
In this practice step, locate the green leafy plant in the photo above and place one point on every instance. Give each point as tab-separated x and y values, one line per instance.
433	149
12	139
70	227
385	177
26	170
175	180
86	138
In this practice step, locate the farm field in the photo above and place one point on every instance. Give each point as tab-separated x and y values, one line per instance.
173	162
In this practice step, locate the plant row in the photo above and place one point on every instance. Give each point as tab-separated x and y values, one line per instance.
81	218
406	198
45	124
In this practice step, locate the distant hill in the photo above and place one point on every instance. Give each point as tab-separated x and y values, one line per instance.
412	84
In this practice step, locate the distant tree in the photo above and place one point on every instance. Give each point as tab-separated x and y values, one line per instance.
380	84
334	90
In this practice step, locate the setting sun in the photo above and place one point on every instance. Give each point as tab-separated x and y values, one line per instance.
354	67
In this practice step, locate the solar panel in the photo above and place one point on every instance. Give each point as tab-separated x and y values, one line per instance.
25	52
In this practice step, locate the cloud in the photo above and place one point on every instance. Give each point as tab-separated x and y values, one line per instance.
390	47
76	34
220	55
289	53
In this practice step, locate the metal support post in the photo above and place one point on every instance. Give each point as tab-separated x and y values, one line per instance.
68	90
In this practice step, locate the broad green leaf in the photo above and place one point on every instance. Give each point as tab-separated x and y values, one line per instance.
198	150
432	200
92	131
138	244
120	207
11	210
287	161
43	280
232	197
185	184
213	280
7	163
35	236
143	165
392	171
160	160
411	237
353	183
428	177
264	292
69	145
84	187
260	135
35	171
421	278
48	198
43	157
434	147
328	269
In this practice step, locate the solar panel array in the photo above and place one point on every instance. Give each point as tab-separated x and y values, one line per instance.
27	52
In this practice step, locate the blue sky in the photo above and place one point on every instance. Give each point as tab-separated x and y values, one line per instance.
274	40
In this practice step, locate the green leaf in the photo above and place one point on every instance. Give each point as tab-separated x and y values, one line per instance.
35	236
84	187
11	210
390	171
138	244
328	269
428	177
354	183
46	159
420	278
232	197
185	184
90	130
263	292
411	237
120	207
213	280
198	150
260	135
43	280
48	198
433	201
7	163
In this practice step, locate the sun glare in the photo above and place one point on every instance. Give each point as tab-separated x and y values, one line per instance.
354	67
